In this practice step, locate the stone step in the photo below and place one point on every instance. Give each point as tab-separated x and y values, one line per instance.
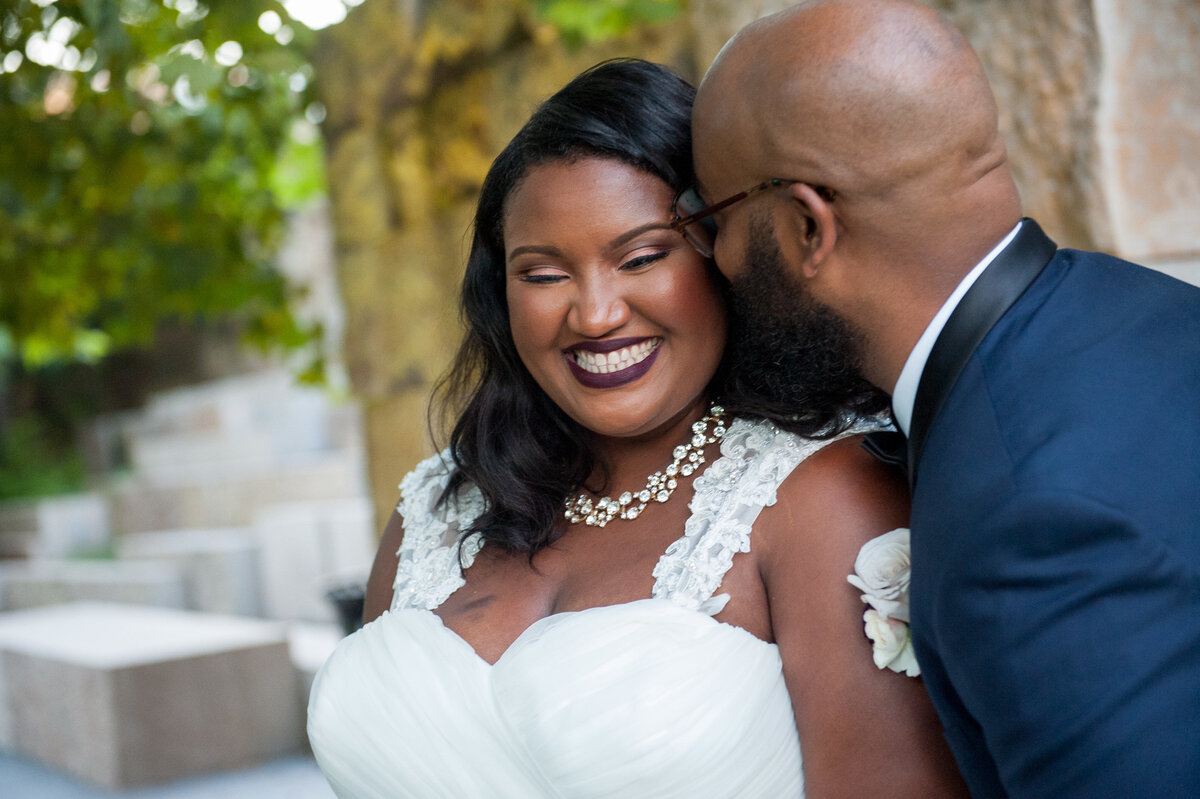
215	497
307	548
248	424
40	582
220	567
54	526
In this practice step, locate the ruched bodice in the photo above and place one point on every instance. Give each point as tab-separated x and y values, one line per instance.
651	698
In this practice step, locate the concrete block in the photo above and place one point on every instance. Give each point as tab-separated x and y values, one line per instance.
35	583
122	696
54	526
219	566
311	644
307	548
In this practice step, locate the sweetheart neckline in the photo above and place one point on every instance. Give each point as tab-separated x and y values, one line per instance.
566	614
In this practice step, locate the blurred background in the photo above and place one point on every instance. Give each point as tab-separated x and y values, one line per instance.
230	239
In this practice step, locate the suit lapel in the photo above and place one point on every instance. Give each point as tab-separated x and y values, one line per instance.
1004	280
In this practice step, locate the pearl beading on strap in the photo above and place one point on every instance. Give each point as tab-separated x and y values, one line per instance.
659	486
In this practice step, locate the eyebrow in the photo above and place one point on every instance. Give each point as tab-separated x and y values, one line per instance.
536	249
546	249
625	237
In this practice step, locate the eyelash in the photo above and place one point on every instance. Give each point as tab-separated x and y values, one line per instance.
631	264
645	260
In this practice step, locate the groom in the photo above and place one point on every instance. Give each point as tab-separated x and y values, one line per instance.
1050	398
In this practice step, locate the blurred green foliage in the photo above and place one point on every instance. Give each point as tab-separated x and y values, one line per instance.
35	461
145	169
589	21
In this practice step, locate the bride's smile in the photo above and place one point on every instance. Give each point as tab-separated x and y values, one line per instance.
608	364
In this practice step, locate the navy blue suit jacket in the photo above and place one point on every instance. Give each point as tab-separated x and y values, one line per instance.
1056	531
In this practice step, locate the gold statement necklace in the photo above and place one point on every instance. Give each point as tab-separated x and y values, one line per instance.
659	486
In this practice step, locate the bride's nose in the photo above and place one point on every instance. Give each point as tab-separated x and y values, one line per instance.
598	308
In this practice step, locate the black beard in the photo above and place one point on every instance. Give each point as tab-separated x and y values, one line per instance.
790	358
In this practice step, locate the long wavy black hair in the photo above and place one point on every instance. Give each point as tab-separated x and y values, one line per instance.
509	439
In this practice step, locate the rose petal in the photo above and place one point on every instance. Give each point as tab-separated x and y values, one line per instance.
906	661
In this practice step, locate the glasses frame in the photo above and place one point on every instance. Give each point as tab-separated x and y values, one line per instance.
680	224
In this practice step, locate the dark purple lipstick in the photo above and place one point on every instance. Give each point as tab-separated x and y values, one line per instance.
609	379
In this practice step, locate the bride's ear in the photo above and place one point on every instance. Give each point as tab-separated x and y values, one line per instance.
818	228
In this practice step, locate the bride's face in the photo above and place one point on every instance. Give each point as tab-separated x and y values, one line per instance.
616	317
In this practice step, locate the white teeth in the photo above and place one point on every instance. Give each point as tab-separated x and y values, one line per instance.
606	363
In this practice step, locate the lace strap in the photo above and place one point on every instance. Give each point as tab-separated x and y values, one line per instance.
428	570
755	459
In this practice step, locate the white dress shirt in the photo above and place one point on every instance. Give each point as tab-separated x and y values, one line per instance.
904	395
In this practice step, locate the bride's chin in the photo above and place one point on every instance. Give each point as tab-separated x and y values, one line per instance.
639	422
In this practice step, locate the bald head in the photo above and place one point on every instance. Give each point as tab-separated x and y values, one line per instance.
874	98
886	104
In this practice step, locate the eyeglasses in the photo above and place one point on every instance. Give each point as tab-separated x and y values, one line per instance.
694	220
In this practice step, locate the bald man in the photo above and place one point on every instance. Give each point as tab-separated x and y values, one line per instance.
853	185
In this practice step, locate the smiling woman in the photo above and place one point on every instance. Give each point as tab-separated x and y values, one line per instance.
567	601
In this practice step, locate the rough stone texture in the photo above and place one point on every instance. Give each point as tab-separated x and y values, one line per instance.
220	567
1149	126
1044	61
35	583
122	696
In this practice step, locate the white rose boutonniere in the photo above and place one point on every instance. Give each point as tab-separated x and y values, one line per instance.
881	571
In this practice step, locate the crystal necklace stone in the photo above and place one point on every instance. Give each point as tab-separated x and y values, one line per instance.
659	486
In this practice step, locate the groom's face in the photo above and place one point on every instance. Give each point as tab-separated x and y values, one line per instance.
785	347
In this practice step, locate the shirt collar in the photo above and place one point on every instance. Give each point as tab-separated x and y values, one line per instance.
904	395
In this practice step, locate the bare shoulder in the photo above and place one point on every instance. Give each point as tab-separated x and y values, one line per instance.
827	508
831	504
383	570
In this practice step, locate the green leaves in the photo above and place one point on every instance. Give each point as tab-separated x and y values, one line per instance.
139	180
590	21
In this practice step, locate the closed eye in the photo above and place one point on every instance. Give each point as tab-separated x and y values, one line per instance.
644	260
541	278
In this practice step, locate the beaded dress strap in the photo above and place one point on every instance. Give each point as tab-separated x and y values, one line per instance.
756	457
429	569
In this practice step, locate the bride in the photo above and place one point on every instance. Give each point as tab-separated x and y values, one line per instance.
608	585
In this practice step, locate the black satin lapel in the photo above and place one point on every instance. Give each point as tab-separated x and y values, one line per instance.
888	446
1005	279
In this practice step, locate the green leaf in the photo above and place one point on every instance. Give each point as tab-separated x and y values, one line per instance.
592	21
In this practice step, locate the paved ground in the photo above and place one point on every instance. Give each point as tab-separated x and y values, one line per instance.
289	778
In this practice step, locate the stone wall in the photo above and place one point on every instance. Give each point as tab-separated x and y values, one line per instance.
1100	108
1148	126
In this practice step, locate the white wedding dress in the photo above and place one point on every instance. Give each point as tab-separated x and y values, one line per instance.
652	698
